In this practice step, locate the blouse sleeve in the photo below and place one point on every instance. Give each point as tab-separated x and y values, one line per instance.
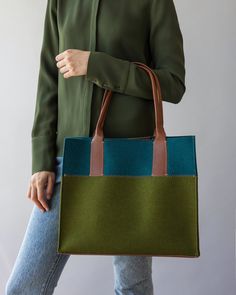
168	62
44	129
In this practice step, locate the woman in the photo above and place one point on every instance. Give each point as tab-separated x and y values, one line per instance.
89	46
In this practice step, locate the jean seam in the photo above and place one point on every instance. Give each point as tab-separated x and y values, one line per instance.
51	273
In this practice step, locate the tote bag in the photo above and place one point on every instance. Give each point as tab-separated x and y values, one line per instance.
130	196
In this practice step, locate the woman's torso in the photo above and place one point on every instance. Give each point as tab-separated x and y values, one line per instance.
119	28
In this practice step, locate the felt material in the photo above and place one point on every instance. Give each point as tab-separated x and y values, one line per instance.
123	156
127	211
129	215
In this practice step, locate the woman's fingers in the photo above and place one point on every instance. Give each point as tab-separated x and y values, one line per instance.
61	55
73	62
41	183
61	63
34	198
29	191
50	186
40	194
64	69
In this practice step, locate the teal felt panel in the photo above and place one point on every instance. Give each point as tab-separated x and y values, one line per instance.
123	156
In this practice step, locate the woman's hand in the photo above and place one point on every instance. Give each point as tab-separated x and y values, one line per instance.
41	183
73	62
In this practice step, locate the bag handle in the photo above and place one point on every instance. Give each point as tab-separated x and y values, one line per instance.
159	164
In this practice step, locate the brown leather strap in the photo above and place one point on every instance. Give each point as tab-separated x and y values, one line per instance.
159	165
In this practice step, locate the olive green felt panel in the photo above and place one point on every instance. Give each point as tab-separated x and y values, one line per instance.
122	215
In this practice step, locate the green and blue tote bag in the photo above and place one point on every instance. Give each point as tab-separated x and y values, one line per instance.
130	196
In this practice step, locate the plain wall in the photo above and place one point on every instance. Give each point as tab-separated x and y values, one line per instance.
207	110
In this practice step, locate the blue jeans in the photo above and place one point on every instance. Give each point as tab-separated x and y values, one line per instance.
38	266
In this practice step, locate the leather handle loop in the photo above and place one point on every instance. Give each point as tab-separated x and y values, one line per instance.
159	165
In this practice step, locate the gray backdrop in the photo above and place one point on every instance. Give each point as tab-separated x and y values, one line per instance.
206	110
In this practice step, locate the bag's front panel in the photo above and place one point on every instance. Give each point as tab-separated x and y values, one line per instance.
126	214
127	210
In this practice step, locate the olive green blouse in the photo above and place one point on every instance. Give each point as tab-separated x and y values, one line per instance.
117	33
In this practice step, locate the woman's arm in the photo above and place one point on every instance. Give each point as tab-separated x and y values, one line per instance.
166	45
45	119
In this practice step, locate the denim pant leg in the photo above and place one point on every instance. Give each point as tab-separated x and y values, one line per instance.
38	266
133	275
